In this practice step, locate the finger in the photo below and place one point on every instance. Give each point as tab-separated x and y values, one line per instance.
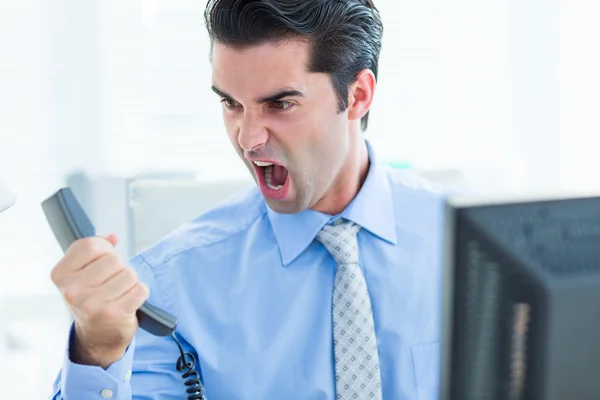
113	239
98	272
81	253
133	299
116	286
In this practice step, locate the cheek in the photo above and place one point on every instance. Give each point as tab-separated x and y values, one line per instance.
328	132
231	127
300	133
288	128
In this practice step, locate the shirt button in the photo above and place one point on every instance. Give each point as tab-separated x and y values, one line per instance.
107	394
127	377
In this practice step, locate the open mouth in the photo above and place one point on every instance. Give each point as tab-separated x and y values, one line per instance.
274	175
273	178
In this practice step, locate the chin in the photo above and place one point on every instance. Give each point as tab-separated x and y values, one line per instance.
293	204
281	207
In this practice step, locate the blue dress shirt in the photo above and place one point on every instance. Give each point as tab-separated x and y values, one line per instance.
252	290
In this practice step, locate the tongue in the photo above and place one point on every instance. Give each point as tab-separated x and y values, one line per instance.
279	175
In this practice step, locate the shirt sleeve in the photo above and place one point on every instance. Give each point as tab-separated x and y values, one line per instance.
93	382
147	370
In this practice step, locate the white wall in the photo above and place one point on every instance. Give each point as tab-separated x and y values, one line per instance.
578	93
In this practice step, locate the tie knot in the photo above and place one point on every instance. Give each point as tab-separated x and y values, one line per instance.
340	241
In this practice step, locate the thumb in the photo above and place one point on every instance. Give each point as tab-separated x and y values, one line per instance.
112	238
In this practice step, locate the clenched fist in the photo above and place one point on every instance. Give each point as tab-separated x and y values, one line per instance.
103	295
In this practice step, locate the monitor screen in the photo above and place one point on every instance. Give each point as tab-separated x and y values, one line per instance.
522	300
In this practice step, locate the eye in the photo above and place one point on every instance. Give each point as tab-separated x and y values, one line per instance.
229	103
282	105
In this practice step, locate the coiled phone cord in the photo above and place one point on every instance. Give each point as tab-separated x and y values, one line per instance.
194	389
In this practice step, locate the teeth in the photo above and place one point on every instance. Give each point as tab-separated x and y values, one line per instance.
262	164
268	174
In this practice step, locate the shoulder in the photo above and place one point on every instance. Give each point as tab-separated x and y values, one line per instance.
419	203
229	220
406	182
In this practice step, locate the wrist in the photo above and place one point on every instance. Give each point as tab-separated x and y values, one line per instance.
84	352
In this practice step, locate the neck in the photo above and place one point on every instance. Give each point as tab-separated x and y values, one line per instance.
350	179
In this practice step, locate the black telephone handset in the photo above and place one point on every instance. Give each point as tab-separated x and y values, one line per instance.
69	223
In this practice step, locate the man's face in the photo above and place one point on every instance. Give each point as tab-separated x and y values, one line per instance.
282	120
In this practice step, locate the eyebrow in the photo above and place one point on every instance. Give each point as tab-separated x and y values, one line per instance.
280	95
220	92
267	99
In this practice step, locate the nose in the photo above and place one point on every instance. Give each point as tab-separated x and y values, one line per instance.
252	134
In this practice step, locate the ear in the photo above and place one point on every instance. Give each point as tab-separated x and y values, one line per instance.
361	94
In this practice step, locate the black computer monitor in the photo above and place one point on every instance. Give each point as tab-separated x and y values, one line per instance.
521	300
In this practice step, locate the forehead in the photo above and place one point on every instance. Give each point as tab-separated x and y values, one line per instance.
264	66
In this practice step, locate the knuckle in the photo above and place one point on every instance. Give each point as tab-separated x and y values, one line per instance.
71	294
55	275
114	260
135	298
138	293
130	275
91	246
144	291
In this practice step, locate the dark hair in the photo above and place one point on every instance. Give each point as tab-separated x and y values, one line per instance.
345	35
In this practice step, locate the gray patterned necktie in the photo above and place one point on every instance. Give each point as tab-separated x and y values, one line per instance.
355	346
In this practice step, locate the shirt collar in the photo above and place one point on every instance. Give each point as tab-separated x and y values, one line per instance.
372	209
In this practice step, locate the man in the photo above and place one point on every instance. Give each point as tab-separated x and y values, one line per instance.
321	283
